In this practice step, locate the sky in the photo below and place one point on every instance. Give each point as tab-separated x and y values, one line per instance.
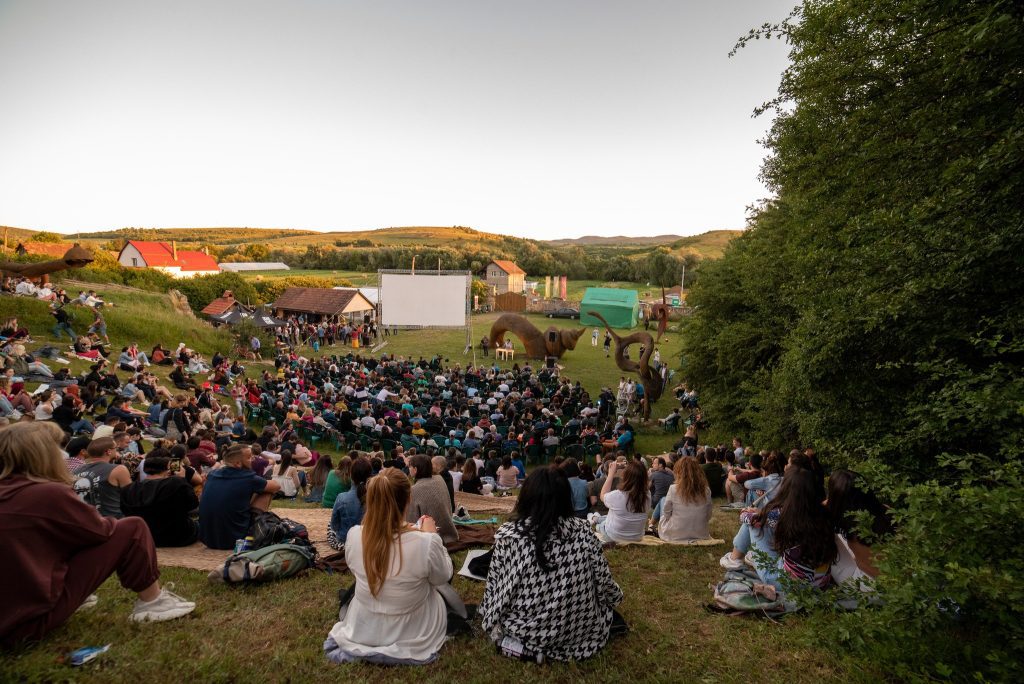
541	119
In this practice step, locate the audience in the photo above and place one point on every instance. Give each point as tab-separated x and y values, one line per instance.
628	505
166	500
686	509
430	498
350	504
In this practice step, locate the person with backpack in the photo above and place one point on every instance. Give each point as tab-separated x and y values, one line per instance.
99	482
59	550
229	495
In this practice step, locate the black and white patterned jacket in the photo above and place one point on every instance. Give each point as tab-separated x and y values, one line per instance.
564	614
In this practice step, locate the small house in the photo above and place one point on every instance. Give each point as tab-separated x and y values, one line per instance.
318	303
166	257
504	276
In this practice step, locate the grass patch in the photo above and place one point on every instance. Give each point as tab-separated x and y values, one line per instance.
275	633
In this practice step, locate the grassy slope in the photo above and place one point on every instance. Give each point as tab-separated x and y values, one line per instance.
245	634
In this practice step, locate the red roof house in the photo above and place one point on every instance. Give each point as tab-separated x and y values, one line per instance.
166	257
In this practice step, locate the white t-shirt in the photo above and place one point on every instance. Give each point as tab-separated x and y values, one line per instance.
621	523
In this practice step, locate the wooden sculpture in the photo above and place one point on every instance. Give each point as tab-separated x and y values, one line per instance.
651	380
539	345
76	257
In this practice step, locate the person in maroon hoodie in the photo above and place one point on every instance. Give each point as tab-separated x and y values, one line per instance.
59	549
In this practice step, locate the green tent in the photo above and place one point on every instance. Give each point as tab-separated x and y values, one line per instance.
619	307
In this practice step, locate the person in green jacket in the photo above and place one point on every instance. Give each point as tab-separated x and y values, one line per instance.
339	480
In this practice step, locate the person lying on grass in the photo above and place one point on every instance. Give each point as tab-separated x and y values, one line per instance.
59	549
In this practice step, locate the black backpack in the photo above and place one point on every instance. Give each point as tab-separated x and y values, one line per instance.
267	528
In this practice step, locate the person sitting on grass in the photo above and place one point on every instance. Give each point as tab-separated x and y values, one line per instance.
846	497
578	487
684	514
99	482
430	498
317	479
794	534
470	482
628	505
230	494
349	506
59	550
396	616
339	480
165	500
507	475
550	593
285	475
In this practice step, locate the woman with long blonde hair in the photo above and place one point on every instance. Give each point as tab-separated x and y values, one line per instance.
686	512
59	549
395	616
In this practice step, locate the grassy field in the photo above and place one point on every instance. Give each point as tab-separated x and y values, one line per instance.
275	632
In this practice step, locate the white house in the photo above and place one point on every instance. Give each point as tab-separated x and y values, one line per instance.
167	258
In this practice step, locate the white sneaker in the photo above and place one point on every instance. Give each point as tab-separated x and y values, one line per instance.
749	559
90	601
730	563
166	606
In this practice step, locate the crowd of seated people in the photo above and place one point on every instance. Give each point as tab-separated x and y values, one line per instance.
415	433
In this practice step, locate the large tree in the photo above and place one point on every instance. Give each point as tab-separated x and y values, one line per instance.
875	306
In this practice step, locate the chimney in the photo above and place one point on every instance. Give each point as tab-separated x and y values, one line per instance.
174	250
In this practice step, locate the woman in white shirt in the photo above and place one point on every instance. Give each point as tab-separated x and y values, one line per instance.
686	513
628	506
396	616
285	475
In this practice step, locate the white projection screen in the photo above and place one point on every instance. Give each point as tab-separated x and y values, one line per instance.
424	299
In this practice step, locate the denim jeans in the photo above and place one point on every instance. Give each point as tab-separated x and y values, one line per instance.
762	540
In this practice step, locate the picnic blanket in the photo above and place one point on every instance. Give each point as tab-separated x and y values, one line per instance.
316	520
475	503
650	540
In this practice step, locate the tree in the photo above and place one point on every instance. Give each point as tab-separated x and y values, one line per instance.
874	307
43	236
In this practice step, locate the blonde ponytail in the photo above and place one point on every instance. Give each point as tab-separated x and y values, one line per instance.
387	495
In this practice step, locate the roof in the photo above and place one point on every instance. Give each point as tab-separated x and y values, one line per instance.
508	267
220	305
372	294
160	254
54	249
254	266
316	300
610	295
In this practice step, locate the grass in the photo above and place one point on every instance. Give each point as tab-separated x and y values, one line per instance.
275	632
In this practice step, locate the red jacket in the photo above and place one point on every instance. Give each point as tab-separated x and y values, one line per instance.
42	524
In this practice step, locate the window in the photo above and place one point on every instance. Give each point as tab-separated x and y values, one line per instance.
135	262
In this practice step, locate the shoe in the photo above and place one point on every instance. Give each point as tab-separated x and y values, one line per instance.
749	559
166	606
90	601
730	563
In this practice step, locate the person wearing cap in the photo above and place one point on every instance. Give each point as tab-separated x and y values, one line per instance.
76	451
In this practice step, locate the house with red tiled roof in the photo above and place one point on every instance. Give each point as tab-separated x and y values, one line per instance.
226	302
504	276
166	257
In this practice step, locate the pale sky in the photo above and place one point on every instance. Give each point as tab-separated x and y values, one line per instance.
541	119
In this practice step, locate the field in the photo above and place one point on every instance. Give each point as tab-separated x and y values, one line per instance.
275	632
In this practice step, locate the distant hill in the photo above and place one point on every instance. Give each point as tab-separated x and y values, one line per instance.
589	240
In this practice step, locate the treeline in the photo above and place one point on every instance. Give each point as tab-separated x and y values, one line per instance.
659	266
875	311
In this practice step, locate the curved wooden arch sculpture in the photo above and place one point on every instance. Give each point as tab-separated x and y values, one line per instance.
651	380
76	257
659	312
539	345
